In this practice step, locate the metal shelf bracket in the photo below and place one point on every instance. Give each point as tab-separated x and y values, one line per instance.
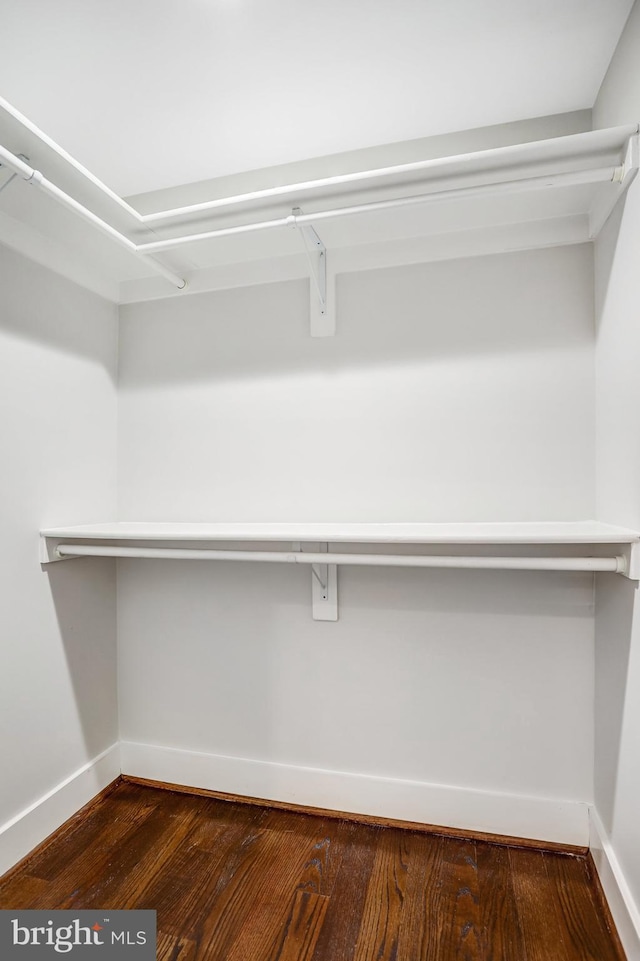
324	585
322	313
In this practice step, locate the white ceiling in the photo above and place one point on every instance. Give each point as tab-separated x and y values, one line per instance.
155	93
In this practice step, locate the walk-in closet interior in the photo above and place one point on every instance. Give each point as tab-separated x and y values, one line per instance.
319	402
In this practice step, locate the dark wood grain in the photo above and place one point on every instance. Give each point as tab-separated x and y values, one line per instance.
502	934
170	948
421	933
298	938
536	900
460	900
384	904
272	880
339	935
24	891
577	902
142	856
243	882
325	856
179	895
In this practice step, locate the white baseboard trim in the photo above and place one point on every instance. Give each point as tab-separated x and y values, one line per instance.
543	819
36	822
625	911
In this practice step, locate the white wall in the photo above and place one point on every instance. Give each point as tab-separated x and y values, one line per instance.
457	390
58	353
617	259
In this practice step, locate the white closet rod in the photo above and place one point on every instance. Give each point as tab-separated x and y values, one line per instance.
33	176
600	175
36	178
597	139
615	565
323	183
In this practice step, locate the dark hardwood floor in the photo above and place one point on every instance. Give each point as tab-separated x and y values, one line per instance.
240	882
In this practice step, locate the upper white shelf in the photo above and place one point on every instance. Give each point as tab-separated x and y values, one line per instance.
554	191
541	532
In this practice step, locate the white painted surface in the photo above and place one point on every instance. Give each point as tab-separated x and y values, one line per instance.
428	404
27	829
465	808
58	710
541	532
436	677
614	883
285	81
617	735
53	253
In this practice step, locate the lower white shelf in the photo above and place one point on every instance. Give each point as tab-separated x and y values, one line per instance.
527	532
529	546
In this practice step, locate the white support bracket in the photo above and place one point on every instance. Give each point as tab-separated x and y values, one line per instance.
631	553
324	586
625	173
48	550
623	177
322	312
12	176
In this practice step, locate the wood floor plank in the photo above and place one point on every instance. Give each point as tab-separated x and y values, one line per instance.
104	829
502	936
23	891
339	933
585	927
325	858
299	936
145	856
236	901
266	889
423	901
538	916
169	948
178	893
206	833
87	880
460	901
384	902
84	863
